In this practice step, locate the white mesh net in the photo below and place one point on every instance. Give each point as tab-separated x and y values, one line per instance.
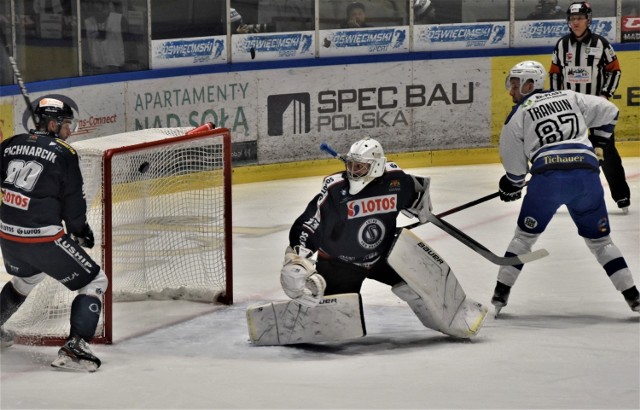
167	235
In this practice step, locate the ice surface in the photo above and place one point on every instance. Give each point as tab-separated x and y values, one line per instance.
567	339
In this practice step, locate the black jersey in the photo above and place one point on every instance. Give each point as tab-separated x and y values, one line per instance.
359	228
587	66
41	187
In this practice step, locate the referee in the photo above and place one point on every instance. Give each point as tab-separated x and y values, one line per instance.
586	63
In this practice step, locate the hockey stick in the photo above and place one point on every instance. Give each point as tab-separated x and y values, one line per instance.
326	148
461	236
458	208
16	73
481	249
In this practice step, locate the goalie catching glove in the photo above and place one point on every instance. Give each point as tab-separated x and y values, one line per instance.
508	191
421	206
299	278
84	237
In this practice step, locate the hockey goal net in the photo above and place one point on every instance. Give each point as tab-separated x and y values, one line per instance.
159	203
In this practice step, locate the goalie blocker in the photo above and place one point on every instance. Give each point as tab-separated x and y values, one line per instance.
430	288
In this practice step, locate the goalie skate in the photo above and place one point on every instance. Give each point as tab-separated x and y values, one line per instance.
76	355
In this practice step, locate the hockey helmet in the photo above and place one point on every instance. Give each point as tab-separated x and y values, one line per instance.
527	71
365	162
580	7
51	109
420	7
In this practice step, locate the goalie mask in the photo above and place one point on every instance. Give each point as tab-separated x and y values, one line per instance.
365	162
527	71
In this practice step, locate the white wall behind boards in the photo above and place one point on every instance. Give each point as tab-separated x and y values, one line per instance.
283	115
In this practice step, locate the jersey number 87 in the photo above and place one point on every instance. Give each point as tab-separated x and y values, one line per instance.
551	130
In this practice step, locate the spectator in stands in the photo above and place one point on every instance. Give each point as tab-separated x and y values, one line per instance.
238	25
47	6
356	16
115	27
547	10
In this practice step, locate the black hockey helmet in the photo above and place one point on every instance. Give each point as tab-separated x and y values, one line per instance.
580	7
53	109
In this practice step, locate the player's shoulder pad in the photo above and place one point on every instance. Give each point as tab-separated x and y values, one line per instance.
66	145
392	167
333	179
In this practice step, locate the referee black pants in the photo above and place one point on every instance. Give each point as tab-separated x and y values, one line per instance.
614	173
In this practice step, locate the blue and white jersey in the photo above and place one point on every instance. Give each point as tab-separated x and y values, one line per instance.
550	130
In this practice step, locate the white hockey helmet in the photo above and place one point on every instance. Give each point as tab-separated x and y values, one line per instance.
525	71
365	162
420	7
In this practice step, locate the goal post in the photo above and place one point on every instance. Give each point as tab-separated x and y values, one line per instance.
159	202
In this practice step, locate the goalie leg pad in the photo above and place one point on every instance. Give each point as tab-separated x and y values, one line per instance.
465	323
335	318
438	299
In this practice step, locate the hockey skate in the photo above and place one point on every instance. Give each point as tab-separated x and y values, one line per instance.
624	204
500	297
76	355
6	338
632	296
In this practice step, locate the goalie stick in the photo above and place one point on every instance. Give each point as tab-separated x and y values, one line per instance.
461	236
326	148
16	73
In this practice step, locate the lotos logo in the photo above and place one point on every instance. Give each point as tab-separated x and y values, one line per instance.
15	199
371	206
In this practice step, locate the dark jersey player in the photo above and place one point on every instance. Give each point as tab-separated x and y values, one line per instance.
43	225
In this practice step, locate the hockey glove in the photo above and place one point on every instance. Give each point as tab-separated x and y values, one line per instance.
421	206
85	237
299	278
599	143
508	191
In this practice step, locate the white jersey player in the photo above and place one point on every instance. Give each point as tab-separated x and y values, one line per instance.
546	135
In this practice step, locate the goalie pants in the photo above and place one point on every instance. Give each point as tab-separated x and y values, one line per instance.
62	259
343	277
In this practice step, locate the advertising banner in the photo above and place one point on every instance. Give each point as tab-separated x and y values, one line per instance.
188	51
461	36
408	107
228	100
6	118
99	109
364	41
630	29
266	46
548	32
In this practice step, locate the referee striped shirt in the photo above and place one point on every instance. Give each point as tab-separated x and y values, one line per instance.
587	66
